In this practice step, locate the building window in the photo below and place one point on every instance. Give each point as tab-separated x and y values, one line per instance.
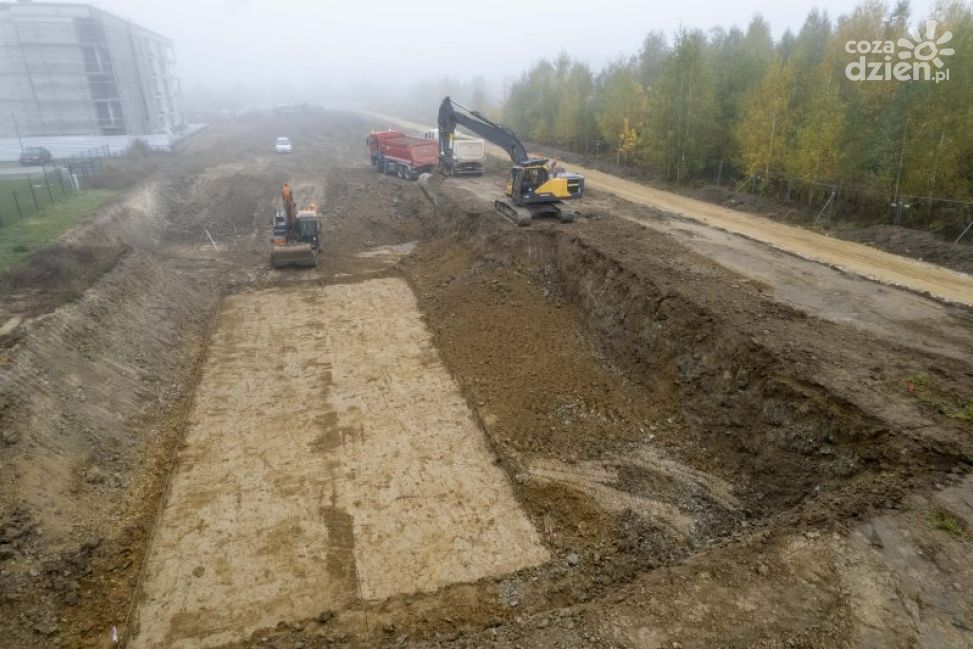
89	30
96	59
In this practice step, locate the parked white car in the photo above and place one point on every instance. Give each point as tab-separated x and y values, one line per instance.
283	145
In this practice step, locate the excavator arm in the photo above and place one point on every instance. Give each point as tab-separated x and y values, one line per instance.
474	121
532	190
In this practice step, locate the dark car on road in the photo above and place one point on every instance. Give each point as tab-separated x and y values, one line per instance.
35	155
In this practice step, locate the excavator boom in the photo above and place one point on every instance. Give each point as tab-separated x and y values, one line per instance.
476	122
532	190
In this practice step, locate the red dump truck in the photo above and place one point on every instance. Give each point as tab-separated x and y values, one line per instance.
394	152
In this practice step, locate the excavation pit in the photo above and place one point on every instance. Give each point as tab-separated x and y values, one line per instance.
329	458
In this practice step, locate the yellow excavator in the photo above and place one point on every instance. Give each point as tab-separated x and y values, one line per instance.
533	190
296	239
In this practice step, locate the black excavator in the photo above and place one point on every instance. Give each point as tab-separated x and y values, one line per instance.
532	190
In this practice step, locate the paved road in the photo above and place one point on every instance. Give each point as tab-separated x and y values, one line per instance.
7	172
848	256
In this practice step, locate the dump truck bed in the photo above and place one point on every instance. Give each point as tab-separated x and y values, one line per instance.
415	151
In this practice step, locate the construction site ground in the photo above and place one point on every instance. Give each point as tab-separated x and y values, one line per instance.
641	429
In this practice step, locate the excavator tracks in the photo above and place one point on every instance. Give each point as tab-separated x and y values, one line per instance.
524	215
517	216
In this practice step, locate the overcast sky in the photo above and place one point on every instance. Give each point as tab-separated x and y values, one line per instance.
307	43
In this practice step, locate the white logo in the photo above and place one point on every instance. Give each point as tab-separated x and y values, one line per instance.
919	55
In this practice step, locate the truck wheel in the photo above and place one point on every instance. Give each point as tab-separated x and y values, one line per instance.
400	172
380	166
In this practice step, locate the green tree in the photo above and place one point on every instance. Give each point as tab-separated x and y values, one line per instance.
685	105
575	125
680	129
740	61
815	152
765	125
652	58
620	102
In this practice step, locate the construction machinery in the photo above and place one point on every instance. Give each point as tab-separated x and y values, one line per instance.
394	152
533	190
466	156
296	239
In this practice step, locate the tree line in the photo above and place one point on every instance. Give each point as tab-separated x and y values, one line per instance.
840	109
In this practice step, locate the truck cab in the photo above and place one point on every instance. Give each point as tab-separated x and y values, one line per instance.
467	157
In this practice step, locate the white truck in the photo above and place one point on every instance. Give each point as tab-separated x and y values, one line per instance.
467	157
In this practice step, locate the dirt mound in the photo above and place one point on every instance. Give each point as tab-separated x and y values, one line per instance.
363	211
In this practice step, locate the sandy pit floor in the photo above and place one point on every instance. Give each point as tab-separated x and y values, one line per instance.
329	458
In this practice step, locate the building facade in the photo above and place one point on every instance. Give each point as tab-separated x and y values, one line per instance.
73	69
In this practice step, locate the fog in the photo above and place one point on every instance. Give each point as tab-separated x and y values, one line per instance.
250	52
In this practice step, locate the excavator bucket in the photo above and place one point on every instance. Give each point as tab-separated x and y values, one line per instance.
294	254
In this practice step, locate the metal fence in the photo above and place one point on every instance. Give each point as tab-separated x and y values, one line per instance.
22	195
88	163
950	218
